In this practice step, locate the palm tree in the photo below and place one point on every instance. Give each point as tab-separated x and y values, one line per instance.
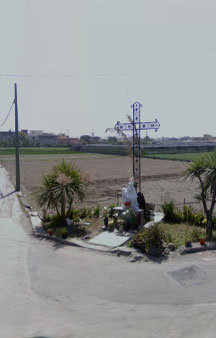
204	169
59	188
127	140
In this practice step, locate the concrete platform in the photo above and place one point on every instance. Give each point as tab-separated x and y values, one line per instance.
110	239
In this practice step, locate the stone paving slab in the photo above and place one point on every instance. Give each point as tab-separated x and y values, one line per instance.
39	231
110	239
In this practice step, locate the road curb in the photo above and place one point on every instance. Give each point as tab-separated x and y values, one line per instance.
208	247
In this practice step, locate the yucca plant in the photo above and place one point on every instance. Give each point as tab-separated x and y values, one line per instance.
204	169
60	187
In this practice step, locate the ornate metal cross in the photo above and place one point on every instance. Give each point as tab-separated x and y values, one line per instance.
136	126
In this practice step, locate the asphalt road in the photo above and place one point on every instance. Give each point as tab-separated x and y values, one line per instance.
49	290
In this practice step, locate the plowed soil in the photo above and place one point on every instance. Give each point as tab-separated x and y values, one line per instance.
109	174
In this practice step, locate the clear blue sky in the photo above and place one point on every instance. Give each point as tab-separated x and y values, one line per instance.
87	61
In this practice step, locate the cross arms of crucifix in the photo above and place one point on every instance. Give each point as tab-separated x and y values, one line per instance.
138	125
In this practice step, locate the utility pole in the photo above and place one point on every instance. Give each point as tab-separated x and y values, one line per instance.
17	140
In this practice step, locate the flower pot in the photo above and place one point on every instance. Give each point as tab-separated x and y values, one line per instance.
188	244
202	241
50	232
64	236
106	222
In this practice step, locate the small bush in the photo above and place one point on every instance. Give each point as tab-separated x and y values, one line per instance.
80	231
147	238
129	219
196	234
58	232
111	226
188	215
83	212
96	211
170	214
111	210
55	221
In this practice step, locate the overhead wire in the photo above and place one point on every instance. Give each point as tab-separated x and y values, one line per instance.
8	114
64	75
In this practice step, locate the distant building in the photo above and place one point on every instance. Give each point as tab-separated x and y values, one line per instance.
35	132
6	135
208	137
43	139
24	131
64	140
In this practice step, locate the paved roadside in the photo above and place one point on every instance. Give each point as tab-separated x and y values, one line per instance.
59	291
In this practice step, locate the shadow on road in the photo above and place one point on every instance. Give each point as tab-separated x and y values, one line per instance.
158	259
4	196
55	243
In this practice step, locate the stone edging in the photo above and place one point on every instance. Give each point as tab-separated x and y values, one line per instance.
208	247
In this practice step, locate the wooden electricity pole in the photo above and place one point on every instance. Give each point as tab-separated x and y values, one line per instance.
17	140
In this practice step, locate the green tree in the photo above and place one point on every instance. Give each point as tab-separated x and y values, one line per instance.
85	138
60	187
204	169
112	139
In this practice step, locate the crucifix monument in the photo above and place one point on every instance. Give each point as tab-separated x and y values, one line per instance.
136	126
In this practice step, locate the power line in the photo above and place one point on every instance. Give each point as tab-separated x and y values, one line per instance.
7	115
65	75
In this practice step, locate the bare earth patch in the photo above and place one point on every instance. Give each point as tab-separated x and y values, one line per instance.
108	175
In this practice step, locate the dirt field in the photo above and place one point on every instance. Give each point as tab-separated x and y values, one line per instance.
108	175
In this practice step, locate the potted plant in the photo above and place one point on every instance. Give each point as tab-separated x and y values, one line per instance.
188	244
58	232
111	226
105	217
64	233
202	241
129	219
50	231
121	226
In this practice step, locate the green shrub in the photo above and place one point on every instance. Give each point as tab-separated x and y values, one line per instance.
111	226
83	212
129	219
64	231
111	210
55	221
188	216
80	231
58	232
196	234
170	214
96	211
147	238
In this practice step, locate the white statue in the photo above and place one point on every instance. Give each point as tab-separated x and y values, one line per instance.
129	194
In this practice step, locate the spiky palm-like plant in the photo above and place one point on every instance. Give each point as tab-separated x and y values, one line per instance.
204	169
59	188
127	140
